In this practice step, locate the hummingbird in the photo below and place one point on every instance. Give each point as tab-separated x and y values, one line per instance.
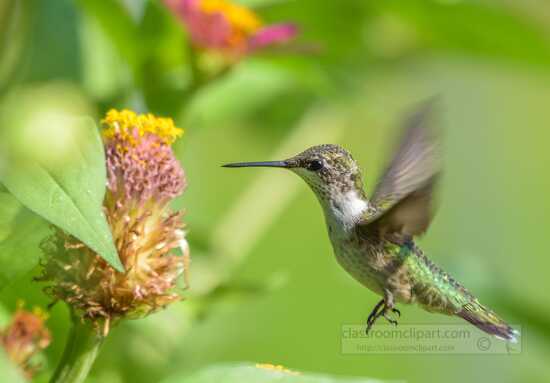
374	238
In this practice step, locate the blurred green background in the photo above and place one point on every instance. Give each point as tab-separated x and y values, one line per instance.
265	285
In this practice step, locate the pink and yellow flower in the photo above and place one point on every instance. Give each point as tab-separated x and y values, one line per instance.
143	175
232	29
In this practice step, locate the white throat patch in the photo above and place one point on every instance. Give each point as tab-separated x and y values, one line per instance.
346	209
342	209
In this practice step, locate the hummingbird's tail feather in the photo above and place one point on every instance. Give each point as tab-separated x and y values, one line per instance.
486	320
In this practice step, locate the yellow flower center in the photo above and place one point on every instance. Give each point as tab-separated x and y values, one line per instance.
240	18
126	122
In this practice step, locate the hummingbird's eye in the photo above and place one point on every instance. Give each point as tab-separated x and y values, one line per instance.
314	165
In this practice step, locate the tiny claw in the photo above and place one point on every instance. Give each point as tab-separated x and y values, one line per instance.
370	322
372	318
382	309
390	320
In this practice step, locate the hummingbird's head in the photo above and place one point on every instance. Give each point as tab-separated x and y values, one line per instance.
332	174
329	170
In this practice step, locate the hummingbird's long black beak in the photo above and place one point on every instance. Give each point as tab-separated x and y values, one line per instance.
270	164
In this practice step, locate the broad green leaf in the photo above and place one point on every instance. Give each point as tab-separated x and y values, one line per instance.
68	190
20	250
247	372
21	232
9	207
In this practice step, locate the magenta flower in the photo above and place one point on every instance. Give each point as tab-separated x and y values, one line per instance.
234	30
273	34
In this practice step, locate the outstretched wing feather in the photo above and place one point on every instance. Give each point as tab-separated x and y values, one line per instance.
404	198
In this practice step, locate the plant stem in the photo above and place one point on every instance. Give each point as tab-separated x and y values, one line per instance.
80	352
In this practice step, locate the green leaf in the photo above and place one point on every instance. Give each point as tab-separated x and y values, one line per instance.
20	249
247	372
15	18
9	207
68	192
117	23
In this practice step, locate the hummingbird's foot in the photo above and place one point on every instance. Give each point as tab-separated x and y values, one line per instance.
389	318
382	309
389	306
374	315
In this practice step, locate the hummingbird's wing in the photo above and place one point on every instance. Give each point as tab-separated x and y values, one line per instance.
403	199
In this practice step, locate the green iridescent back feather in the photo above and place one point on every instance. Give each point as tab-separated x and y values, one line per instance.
436	291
